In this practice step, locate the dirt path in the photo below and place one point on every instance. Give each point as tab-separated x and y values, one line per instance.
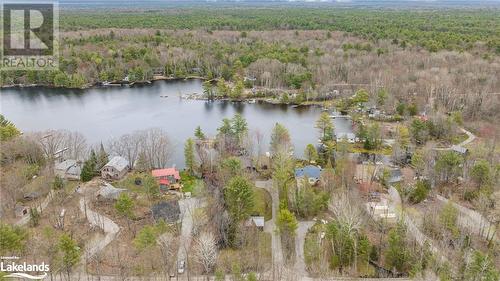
270	227
300	264
473	220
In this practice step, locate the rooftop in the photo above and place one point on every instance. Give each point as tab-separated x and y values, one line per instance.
309	171
118	163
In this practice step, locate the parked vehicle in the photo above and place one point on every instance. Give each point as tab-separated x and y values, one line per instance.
181	266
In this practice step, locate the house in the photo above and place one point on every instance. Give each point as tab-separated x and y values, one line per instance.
349	137
109	192
309	172
168	178
68	169
255	221
115	169
169	211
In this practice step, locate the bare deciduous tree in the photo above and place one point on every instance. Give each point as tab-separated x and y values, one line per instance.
206	251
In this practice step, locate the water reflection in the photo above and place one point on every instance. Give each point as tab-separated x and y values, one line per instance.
103	113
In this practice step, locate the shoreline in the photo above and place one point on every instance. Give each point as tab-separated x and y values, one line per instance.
191	96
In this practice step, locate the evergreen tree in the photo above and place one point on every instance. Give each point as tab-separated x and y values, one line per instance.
280	139
88	171
239	127
101	158
239	198
237	92
124	205
58	183
396	255
482	267
325	127
189	156
198	133
70	251
310	153
12	239
34	217
225	130
7	129
141	164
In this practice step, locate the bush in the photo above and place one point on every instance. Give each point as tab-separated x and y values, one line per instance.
420	192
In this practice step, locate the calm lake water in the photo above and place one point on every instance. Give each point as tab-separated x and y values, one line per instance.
105	113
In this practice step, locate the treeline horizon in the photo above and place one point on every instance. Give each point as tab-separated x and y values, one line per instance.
443	29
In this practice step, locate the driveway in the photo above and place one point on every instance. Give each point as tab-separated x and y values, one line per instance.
109	227
413	230
187	207
470	138
270	227
473	221
300	264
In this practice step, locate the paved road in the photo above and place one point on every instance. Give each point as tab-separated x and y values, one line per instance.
300	264
473	220
270	227
187	207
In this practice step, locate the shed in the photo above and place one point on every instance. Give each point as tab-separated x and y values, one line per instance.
459	149
395	176
109	192
256	221
169	211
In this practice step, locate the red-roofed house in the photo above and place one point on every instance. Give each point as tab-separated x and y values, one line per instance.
167	178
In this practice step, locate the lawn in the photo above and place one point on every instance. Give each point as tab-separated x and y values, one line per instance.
358	148
129	183
263	204
190	182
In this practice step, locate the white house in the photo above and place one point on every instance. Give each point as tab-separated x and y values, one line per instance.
115	169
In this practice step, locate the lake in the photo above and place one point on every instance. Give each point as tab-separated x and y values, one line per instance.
101	114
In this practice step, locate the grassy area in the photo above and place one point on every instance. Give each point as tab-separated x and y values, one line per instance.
191	184
263	203
129	183
459	138
249	256
358	148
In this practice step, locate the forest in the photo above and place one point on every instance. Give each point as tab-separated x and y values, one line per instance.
452	29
